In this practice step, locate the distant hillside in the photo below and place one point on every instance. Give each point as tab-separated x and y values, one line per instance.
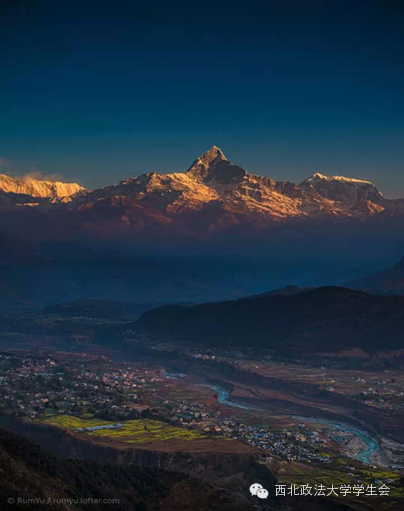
388	282
287	290
324	319
99	309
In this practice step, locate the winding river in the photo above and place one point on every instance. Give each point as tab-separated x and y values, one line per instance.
372	446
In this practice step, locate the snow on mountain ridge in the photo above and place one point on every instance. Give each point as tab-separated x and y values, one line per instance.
216	183
37	188
317	175
212	197
342	189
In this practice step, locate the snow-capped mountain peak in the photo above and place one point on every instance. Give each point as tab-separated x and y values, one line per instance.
213	167
342	189
208	158
317	175
203	165
38	188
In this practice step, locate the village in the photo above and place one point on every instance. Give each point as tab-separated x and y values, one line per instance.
35	385
39	386
300	444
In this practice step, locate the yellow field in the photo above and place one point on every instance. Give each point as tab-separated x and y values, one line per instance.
70	422
133	431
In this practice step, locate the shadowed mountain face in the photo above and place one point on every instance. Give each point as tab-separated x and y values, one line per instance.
212	199
325	319
34	474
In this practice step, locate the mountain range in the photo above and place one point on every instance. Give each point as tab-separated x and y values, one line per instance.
213	197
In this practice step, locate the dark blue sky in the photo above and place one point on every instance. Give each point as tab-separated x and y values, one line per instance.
99	94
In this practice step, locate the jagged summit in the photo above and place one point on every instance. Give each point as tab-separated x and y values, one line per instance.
213	166
201	167
212	155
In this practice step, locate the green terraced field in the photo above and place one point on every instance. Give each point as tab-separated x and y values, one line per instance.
133	431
